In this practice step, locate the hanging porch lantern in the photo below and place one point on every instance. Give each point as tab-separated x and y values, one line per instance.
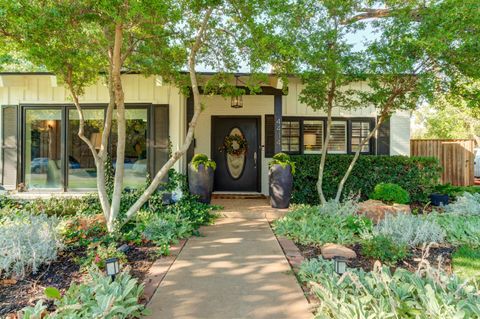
237	101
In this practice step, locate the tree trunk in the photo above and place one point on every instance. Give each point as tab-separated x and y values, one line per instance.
191	128
323	158
121	126
355	158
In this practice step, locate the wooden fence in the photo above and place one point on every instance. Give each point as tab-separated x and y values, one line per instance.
456	156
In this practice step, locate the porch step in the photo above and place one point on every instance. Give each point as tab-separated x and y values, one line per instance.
238	196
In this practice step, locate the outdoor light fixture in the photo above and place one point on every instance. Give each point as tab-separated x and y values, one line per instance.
237	101
113	267
340	265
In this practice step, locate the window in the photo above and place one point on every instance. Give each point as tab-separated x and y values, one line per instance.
312	136
290	136
338	137
360	130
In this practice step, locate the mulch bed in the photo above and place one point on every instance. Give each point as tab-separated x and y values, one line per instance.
15	295
441	255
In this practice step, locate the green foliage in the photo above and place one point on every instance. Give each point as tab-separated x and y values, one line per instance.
283	160
98	254
380	294
454	191
52	293
385	249
98	297
318	225
390	193
460	229
81	232
202	159
26	242
466	263
411	230
417	175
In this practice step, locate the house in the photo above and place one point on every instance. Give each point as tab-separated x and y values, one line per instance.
41	149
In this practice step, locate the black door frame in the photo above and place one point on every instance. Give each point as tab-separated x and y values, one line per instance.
258	119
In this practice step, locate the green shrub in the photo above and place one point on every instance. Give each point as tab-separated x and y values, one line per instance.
454	191
204	160
417	175
318	225
384	248
26	242
390	193
99	297
468	204
380	294
99	254
283	160
460	229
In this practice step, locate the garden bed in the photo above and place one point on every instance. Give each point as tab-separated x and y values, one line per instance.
15	295
435	254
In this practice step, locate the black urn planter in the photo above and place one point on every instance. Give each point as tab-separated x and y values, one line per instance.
200	182
439	199
280	185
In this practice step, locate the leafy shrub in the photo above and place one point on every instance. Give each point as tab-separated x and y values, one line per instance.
384	248
460	229
389	192
283	160
100	297
99	254
454	191
167	229
410	230
204	160
417	175
379	294
318	225
468	204
26	242
80	232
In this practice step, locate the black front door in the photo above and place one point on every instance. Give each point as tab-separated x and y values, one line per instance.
235	149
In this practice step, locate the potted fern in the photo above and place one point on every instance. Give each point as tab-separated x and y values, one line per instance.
281	170
200	177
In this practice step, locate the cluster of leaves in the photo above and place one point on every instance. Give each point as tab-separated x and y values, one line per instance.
202	159
99	297
318	225
454	191
410	230
383	248
467	204
99	255
417	175
283	160
26	242
459	229
380	294
390	193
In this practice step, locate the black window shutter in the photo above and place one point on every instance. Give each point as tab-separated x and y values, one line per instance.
383	140
9	146
269	136
160	137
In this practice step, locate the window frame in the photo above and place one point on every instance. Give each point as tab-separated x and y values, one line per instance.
348	120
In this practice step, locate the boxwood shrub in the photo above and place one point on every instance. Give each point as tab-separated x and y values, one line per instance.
417	175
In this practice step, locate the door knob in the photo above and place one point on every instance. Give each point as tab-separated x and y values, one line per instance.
255	159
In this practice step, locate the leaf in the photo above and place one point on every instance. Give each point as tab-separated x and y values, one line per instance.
52	293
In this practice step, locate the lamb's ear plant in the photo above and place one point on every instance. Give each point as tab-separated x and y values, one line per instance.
202	159
283	160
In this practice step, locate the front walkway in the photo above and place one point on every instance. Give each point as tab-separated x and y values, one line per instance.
237	270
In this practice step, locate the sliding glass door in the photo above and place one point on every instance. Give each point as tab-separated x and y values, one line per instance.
82	172
43	148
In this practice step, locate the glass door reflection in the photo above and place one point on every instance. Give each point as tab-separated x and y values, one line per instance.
43	149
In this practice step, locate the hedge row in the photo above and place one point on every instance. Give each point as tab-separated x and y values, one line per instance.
418	175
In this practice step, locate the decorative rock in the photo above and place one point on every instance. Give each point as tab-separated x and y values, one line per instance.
124	248
376	210
334	250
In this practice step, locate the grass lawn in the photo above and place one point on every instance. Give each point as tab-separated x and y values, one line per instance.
466	262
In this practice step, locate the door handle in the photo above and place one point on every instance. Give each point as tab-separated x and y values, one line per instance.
255	159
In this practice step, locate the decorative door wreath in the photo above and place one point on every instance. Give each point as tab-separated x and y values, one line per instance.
235	145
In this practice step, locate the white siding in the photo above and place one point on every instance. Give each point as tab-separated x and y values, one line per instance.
400	133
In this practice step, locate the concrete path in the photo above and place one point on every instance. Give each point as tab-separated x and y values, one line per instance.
237	270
